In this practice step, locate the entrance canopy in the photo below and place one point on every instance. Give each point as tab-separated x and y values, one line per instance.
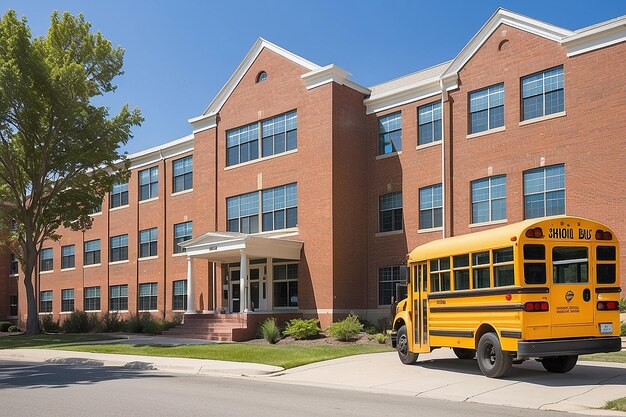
228	247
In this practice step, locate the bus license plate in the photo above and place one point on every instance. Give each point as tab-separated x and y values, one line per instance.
606	328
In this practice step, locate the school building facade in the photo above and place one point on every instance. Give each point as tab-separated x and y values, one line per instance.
299	192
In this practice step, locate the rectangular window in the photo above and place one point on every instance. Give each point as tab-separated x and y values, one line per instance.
91	252
242	144
440	274
13	305
606	268
480	270
119	248
461	272
67	300
92	299
119	195
487	108
503	267
542	93
570	265
182	233
489	199
179	300
45	301
429	120
280	207
390	212
544	191
279	134
68	256
243	213
118	297
431	207
45	259
14	265
388	277
286	285
534	264
182	170
390	133
148	242
148	296
97	209
149	183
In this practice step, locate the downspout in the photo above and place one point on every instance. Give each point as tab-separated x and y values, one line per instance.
164	233
443	163
214	280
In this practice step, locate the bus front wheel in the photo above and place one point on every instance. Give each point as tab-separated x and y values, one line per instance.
406	356
559	364
492	360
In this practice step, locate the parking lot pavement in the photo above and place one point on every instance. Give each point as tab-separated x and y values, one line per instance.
441	375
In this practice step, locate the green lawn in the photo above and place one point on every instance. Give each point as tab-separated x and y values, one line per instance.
619	357
619	405
286	356
46	341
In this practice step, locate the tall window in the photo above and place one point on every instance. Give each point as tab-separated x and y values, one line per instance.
92	299
67	300
390	212
179	300
480	270
68	256
13	305
542	93
45	259
14	265
182	233
503	267
280	207
91	252
182	170
388	277
487	108
286	285
45	301
148	296
489	199
390	133
119	248
431	207
429	120
242	144
440	274
148	242
544	191
148	183
280	134
119	195
243	213
118	297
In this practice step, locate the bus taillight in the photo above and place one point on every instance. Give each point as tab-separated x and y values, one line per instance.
536	306
603	235
608	305
534	233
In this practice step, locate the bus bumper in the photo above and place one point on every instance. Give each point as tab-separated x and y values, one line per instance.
566	347
394	338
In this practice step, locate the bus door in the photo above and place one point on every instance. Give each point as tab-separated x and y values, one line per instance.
572	286
420	307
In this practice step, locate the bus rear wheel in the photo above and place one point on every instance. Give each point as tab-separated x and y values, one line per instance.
406	356
462	353
559	364
492	360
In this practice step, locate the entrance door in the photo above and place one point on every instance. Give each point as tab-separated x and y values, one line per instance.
572	287
257	285
420	307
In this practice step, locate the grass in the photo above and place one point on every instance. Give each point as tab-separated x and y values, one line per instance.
619	405
619	357
47	341
286	356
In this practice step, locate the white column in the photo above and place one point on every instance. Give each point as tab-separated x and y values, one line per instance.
243	283
191	308
270	284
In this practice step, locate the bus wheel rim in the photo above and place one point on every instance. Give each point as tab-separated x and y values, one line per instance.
402	345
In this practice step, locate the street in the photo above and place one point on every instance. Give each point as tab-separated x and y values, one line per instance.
34	389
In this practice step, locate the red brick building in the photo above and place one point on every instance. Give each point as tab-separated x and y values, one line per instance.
312	188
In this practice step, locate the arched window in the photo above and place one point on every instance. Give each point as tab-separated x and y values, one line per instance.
261	77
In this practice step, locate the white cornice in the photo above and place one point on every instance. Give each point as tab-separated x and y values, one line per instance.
158	153
204	122
596	37
331	73
400	96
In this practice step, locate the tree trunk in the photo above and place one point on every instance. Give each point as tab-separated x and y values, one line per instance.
32	318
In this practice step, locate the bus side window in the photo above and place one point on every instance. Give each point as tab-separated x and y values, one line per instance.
480	270
461	272
606	272
440	274
535	272
503	267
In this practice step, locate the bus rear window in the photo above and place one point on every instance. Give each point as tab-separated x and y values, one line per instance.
535	273
569	265
535	252
605	253
606	273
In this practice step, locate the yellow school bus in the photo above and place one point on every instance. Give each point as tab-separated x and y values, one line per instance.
546	289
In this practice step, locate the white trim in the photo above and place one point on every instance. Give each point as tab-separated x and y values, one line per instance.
148	311
388	155
158	153
46	272
118	311
125	261
15	275
91	265
595	37
93	311
390	233
148	258
486	132
188	190
434	229
147	200
96	214
68	269
264	158
119	207
490	223
176	255
429	145
202	123
331	73
542	118
403	95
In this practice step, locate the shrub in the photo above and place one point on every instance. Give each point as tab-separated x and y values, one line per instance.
14	329
4	326
303	329
48	325
270	331
381	338
153	326
77	322
368	327
345	329
134	324
111	322
622	305
623	329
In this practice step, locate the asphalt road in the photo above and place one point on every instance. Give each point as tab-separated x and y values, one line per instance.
34	389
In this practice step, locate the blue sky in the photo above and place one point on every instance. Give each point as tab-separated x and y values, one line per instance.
180	53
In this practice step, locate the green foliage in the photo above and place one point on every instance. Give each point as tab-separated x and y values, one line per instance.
79	322
303	328
346	329
111	322
619	404
48	325
14	329
269	330
623	333
622	305
368	327
4	326
145	323
381	338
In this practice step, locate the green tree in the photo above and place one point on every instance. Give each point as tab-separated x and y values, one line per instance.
59	153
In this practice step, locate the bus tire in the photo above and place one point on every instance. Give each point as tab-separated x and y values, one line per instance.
492	360
406	356
462	353
559	364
